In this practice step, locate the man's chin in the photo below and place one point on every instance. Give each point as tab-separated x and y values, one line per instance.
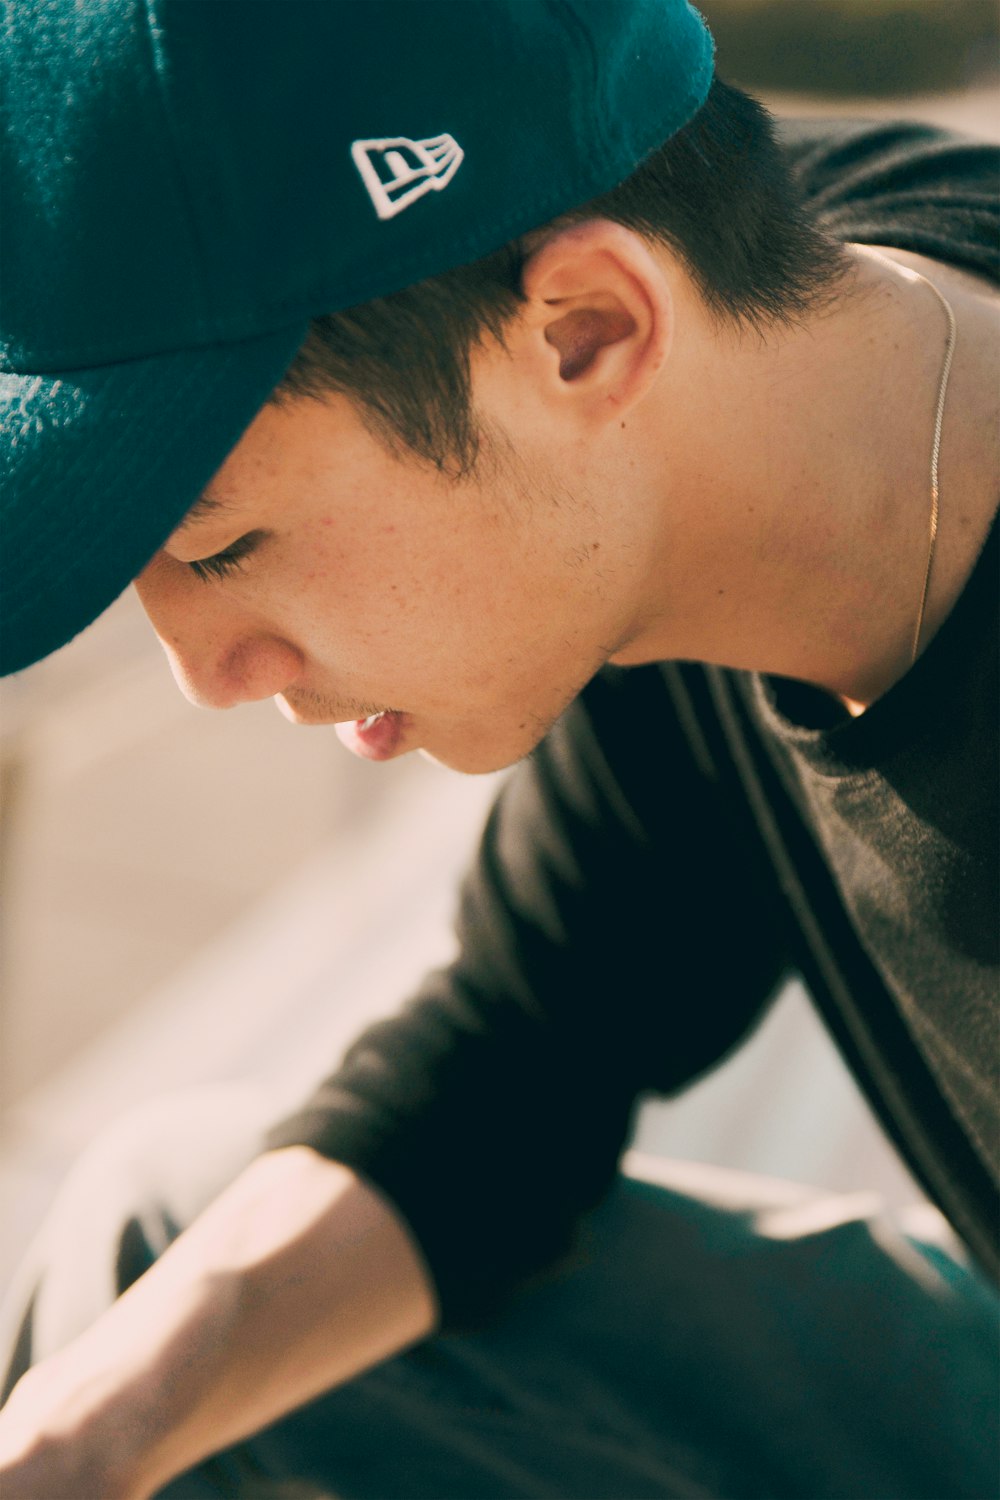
476	758
466	765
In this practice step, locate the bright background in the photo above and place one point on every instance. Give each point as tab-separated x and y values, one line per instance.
192	896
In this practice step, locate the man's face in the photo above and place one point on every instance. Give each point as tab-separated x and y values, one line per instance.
368	582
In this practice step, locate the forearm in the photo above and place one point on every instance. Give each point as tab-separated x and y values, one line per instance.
298	1277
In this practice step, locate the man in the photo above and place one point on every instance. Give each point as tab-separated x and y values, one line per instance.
607	395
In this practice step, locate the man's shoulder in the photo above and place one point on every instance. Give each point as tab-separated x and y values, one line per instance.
902	183
825	143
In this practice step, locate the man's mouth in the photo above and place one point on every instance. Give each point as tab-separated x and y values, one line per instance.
378	737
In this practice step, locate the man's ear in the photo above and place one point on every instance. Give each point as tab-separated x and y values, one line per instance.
598	315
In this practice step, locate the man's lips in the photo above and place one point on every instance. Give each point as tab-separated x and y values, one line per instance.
379	737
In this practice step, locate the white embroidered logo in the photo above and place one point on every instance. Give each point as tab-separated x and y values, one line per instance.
397	171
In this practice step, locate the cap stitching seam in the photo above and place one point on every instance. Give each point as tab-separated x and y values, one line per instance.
159	69
574	23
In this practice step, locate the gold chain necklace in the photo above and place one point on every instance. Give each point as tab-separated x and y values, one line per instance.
911	275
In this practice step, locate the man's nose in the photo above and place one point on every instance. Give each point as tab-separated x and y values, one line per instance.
243	670
220	654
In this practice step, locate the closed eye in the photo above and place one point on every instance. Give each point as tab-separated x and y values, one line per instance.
229	560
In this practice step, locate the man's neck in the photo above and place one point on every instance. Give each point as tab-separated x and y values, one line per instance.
796	485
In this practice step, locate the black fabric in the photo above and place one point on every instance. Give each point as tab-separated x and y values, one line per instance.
917	867
671	851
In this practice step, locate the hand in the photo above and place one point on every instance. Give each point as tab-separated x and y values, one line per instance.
49	1448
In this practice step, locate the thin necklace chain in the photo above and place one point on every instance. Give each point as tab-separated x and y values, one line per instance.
949	354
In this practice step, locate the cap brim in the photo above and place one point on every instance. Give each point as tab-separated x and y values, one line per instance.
100	466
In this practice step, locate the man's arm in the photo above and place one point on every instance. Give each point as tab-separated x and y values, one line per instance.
621	930
298	1277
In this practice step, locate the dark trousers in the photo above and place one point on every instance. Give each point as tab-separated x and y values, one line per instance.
718	1336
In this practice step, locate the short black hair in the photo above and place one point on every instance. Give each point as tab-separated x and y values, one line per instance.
718	192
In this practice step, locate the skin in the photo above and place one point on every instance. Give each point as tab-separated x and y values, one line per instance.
654	485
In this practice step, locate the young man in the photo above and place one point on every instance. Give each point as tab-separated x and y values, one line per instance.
606	395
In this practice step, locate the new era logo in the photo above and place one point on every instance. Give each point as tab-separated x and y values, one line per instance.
397	171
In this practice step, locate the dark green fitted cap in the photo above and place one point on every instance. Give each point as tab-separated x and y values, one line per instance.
185	183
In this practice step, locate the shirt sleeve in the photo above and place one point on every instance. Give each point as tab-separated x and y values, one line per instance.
619	932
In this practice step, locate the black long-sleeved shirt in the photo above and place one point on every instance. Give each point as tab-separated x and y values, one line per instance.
685	837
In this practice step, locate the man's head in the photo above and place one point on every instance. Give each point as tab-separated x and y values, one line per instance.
444	514
431	515
439	508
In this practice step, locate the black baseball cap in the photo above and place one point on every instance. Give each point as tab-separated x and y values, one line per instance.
184	184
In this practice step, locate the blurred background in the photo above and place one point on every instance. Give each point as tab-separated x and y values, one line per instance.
191	896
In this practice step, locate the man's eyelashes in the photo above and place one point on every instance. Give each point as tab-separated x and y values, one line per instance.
229	560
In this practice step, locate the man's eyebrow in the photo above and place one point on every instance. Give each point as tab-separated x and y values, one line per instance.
203	509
